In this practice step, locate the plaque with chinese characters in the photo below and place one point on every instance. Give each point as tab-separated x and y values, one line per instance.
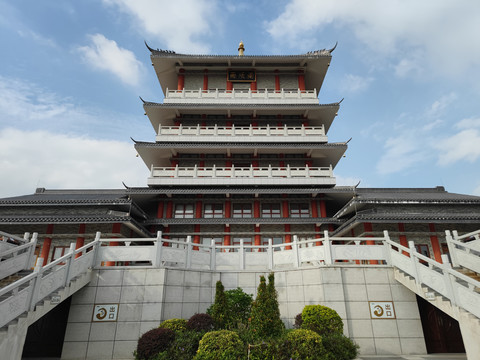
105	312
382	310
241	75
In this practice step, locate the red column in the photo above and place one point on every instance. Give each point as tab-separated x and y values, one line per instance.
288	236
403	238
256	209
226	238
229	85
314	206
253	86
367	227
277	81
301	80
160	208
80	239
437	253
198	209
47	243
205	80
323	209
116	228
196	236
181	79
169	213
258	237
285	209
228	209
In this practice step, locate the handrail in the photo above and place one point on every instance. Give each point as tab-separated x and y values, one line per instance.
465	254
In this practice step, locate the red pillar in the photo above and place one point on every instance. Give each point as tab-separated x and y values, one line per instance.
288	236
437	253
116	228
403	238
228	209
196	236
205	80
226	238
323	209
169	213
256	209
367	227
253	86
277	81
47	243
301	80
229	86
258	237
80	239
181	79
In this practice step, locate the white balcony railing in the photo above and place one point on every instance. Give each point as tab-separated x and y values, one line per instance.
241	175
245	96
251	133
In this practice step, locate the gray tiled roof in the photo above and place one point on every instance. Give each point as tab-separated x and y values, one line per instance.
67	197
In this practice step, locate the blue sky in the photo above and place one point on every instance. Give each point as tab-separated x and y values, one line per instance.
71	73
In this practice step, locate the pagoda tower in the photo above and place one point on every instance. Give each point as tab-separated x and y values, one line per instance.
241	151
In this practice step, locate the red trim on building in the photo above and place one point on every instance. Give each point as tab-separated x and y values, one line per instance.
47	243
437	252
301	80
258	237
205	80
277	81
80	239
181	79
368	227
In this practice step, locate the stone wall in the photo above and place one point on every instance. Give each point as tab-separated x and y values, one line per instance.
148	296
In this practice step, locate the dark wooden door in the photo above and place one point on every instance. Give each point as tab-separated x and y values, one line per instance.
45	336
442	333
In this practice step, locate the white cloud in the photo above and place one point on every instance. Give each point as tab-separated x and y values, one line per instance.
438	107
32	159
468	123
178	24
354	83
412	34
401	153
462	146
106	55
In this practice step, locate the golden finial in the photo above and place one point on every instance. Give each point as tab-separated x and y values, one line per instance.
241	48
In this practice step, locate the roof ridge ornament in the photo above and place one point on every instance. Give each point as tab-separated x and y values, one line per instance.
322	51
158	50
241	48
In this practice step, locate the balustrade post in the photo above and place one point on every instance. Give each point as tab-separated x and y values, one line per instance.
451	247
315	92
251	170
387	249
249	93
215	130
270	254
331	170
282	94
216	93
166	93
242	255
307	171
198	129
250	130
285	130
188	261
96	248
413	259
269	170
446	268
195	170
232	169
289	171
213	254
214	171
266	93
159	129
328	248
36	287
31	256
200	93
233	130
183	93
71	258
175	175
296	262
158	250
303	130
268	129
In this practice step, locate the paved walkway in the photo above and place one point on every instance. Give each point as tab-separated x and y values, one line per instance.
414	357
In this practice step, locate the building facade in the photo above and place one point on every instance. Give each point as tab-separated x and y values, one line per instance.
241	155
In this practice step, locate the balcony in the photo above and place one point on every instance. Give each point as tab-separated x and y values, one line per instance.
241	176
244	96
247	133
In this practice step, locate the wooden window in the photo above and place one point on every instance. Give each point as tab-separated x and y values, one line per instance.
271	210
213	211
184	211
300	210
242	210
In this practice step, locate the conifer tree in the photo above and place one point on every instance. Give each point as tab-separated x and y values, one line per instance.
219	309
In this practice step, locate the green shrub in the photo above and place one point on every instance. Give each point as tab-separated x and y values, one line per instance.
219	309
303	344
175	325
201	322
184	347
239	305
220	345
298	321
339	347
265	319
153	342
321	319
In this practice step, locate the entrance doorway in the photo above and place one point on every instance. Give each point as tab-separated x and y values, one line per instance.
45	336
442	332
